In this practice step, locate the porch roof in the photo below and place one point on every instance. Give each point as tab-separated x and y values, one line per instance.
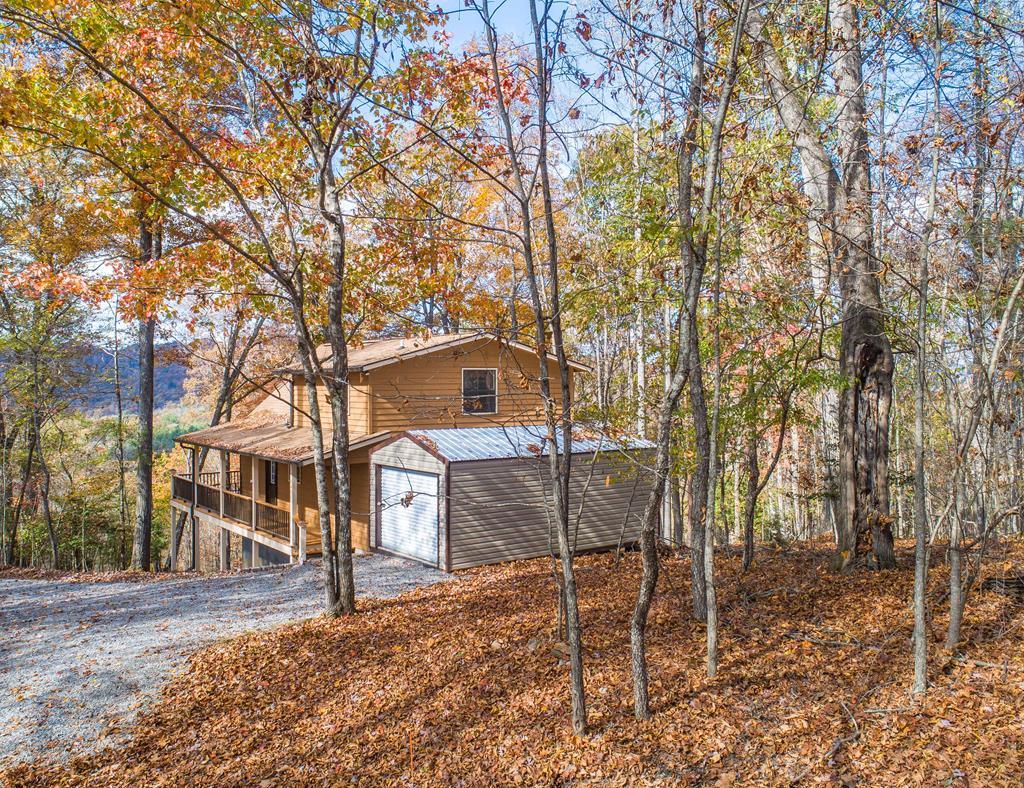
269	440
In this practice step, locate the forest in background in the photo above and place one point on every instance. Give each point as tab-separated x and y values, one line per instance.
787	236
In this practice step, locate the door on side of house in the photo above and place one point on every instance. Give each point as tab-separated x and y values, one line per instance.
270	474
408	513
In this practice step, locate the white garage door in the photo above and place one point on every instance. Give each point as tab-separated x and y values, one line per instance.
408	519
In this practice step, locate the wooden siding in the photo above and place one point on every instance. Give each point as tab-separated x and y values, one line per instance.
358	408
307	508
498	507
426	391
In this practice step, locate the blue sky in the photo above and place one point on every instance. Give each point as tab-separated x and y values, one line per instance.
511	18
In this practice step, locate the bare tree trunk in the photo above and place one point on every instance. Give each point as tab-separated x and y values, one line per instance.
699	499
693	249
336	380
755	486
794	482
921	392
45	497
8	439
19	507
234	363
714	469
561	464
843	201
675	499
557	416
750	500
737	523
122	486
144	462
866	362
956	586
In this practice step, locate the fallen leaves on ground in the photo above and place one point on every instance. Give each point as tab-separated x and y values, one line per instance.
71	576
464	683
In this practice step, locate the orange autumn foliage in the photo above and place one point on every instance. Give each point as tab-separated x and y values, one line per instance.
461	683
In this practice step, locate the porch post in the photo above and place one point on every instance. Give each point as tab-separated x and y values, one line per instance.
224	545
194	464
252	490
293	508
192	508
223	479
174	542
302	543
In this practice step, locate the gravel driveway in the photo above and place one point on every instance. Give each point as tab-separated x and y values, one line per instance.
77	660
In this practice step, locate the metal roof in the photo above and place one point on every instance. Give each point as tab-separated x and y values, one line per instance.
459	444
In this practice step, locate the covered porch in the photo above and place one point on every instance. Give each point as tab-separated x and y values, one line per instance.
250	495
251	499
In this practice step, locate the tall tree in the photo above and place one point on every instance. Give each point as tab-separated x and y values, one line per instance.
696	226
149	250
840	194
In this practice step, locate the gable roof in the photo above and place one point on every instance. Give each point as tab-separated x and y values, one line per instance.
461	444
376	353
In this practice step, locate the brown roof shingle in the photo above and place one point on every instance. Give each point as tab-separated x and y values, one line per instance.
379	352
269	440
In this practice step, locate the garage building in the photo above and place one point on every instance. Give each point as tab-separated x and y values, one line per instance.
462	497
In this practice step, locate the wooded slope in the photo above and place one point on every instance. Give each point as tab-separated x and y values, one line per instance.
461	681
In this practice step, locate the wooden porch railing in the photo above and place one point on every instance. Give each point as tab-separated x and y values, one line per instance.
238	507
274	520
271	519
212	479
208	497
181	488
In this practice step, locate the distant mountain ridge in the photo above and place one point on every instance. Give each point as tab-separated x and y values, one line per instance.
97	395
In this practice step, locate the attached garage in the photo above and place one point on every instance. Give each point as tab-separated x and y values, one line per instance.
457	498
409	513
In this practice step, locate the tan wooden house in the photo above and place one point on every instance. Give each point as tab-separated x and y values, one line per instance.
258	505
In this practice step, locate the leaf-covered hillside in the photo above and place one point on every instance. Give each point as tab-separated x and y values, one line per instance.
462	683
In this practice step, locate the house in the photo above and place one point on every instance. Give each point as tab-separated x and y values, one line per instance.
446	457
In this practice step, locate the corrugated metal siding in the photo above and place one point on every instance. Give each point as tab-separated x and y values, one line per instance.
526	441
498	508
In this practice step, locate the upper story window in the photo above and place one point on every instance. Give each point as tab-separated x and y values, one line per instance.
479	391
